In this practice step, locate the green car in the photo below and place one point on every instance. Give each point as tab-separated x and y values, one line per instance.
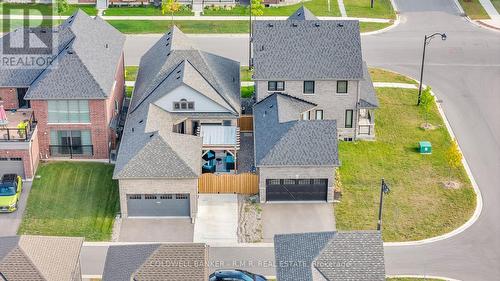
10	192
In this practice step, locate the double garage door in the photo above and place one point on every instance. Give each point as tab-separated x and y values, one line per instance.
296	189
158	205
11	166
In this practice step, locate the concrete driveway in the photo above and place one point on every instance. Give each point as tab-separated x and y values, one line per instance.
280	218
9	222
217	219
156	230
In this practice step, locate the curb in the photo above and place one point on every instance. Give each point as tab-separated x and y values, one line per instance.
477	191
395	24
425	277
215	244
477	23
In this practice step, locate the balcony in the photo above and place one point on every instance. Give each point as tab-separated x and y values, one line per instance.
12	131
71	151
366	125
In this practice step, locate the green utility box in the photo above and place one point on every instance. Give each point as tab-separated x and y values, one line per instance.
425	147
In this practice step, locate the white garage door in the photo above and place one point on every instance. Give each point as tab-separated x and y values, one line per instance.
11	166
158	205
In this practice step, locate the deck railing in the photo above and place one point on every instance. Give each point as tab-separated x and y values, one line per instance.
9	133
71	151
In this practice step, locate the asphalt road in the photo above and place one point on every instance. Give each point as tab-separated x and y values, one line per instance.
464	72
9	222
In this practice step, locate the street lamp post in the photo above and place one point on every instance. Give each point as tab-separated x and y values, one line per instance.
427	40
384	189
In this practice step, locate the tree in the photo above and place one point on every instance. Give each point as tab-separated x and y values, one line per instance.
256	9
426	101
62	6
454	156
170	6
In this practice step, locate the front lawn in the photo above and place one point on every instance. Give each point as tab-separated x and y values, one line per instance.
194	26
361	9
44	9
247	91
372	26
496	3
317	7
148	10
418	205
381	75
474	9
72	199
245	73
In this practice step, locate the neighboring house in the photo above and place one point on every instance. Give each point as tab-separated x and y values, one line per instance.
330	256
72	107
185	104
146	262
295	158
40	258
319	61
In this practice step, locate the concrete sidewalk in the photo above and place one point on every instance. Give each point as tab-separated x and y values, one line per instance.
199	18
217	219
494	21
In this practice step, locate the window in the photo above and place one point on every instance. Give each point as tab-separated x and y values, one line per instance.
166	196
304	181
15	159
134	196
341	87
319	114
289	181
273	182
348	118
308	87
150	196
70	142
276	85
116	107
69	111
183	105
181	196
306	115
226	122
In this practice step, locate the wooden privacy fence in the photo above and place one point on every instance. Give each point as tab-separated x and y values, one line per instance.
246	123
246	183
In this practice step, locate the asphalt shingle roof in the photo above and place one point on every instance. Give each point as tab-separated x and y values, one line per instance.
302	14
367	95
307	49
39	257
150	262
90	50
337	256
283	140
170	63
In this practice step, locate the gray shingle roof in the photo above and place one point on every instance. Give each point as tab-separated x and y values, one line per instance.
294	254
39	257
356	255
282	140
367	94
150	262
170	63
90	52
302	14
307	50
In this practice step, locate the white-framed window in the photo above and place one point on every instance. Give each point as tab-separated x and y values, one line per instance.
69	111
116	107
308	87
183	104
276	85
319	114
306	115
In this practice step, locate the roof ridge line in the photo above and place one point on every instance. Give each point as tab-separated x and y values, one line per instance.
183	161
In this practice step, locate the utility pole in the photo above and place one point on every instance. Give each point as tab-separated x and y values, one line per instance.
384	189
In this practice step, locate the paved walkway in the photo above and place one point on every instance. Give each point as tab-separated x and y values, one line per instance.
202	18
342	8
9	222
217	219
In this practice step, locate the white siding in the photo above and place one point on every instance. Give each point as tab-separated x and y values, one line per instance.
201	102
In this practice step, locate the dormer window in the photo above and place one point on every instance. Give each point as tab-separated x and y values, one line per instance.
183	104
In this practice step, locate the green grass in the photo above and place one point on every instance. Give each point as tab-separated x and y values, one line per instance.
144	26
45	9
361	9
317	7
129	90
72	199
418	206
372	26
131	72
148	10
412	279
245	74
496	3
247	91
474	9
381	75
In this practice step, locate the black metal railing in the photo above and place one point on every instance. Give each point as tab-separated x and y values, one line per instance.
18	133
365	129
71	151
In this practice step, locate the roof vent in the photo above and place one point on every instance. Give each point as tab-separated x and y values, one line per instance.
340	25
168	54
179	71
178	77
270	25
70	52
298	14
43	31
271	106
167	44
140	122
133	129
170	32
262	48
152	135
168	38
107	45
316	24
294	24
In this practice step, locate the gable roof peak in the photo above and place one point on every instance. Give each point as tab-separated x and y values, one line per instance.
302	13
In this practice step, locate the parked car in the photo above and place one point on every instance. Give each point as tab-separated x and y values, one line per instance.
235	274
11	187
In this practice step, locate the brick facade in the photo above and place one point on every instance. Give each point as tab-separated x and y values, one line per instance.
27	151
9	98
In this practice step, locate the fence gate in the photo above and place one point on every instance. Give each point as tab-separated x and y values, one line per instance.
246	123
246	183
